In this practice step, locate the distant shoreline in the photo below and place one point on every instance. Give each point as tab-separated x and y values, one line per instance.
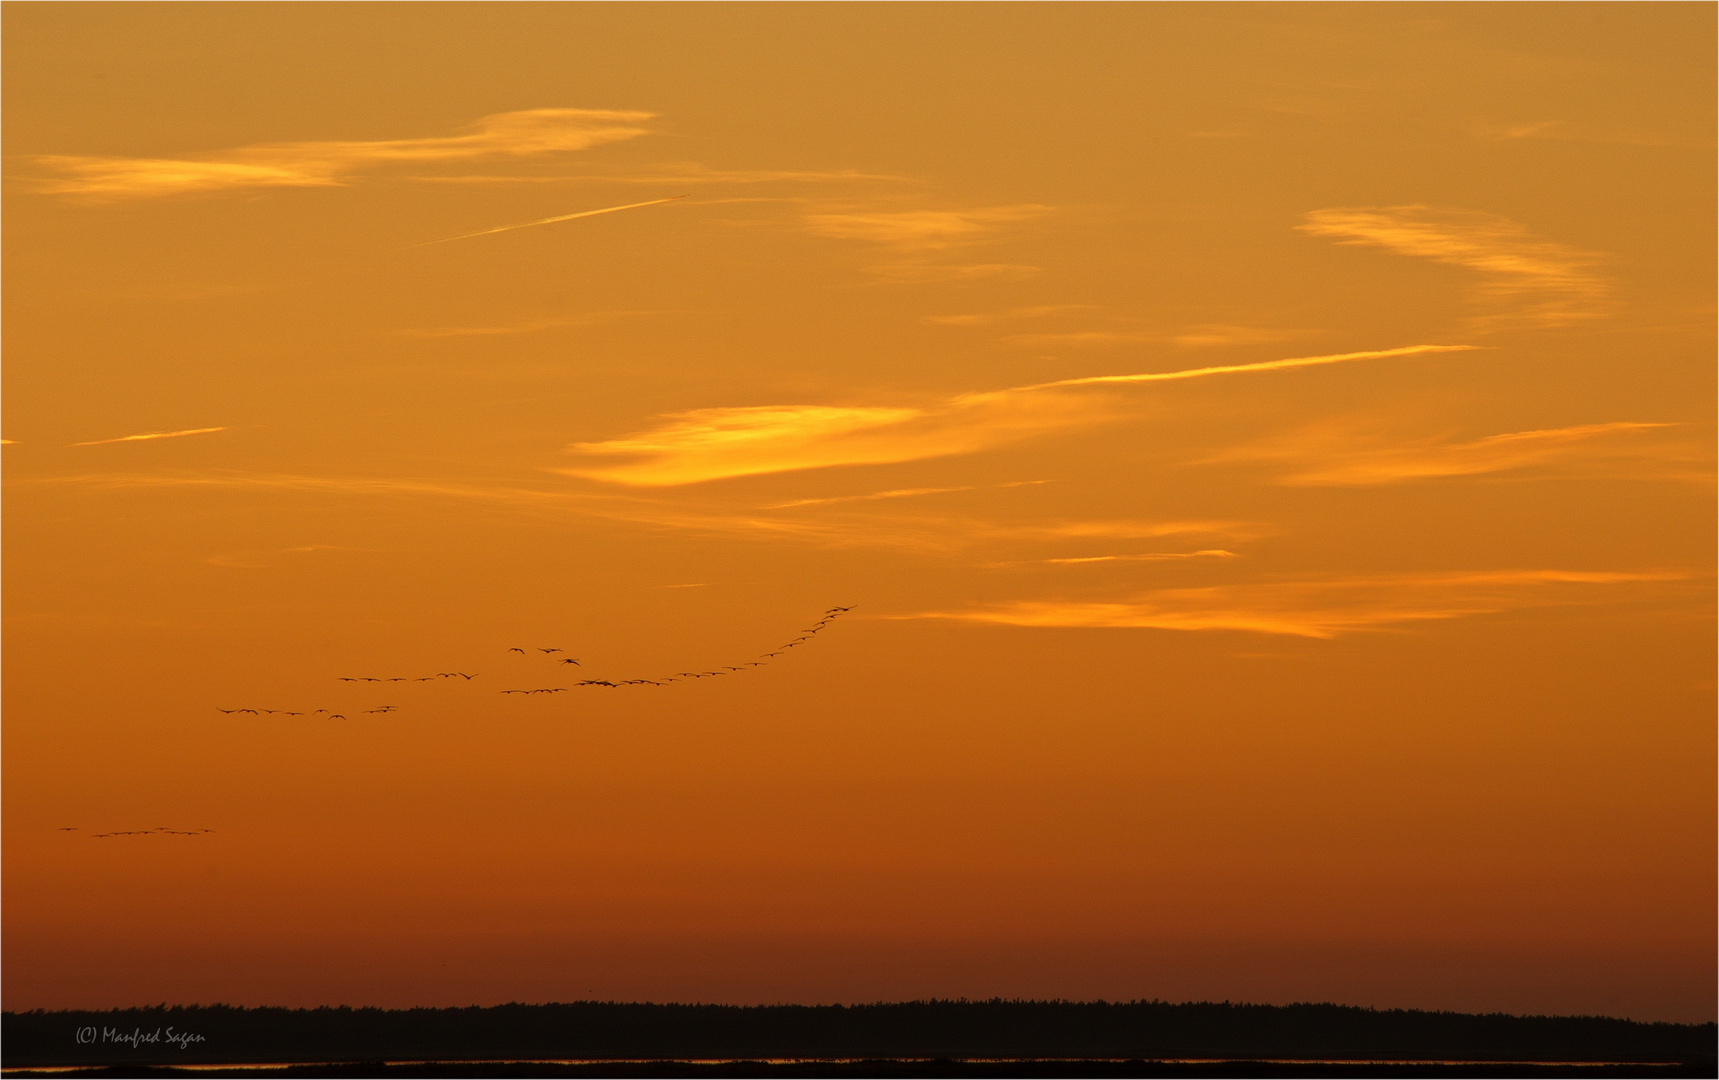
899	1067
929	1038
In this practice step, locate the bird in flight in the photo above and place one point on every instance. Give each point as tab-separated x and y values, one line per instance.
569	660
68	828
517	650
548	650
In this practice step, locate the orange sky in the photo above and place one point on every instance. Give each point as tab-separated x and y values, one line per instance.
1267	449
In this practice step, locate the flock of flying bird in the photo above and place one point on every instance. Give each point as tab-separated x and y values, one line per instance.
730	669
160	830
806	635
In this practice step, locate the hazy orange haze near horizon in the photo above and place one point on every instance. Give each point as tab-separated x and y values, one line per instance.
1267	450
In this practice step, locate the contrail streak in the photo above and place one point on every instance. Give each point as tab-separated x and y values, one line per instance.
1268	365
152	435
547	221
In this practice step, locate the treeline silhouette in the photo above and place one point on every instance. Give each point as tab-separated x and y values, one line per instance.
919	1029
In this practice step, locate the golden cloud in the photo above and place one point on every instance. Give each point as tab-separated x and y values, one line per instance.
1529	282
324	164
1323	608
715	444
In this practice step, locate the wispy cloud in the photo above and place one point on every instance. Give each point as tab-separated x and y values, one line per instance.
1331	456
918	241
1088	337
1537	129
898	493
1565	131
713	444
1194	337
921	230
254	560
549	220
1526	281
923	273
918	533
677	173
152	435
1323	608
589	318
1129	530
323	164
1213	335
982	318
1150	556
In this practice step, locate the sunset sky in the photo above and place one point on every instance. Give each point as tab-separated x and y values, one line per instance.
1266	448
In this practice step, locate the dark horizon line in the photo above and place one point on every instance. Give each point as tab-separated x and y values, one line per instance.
858	1005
